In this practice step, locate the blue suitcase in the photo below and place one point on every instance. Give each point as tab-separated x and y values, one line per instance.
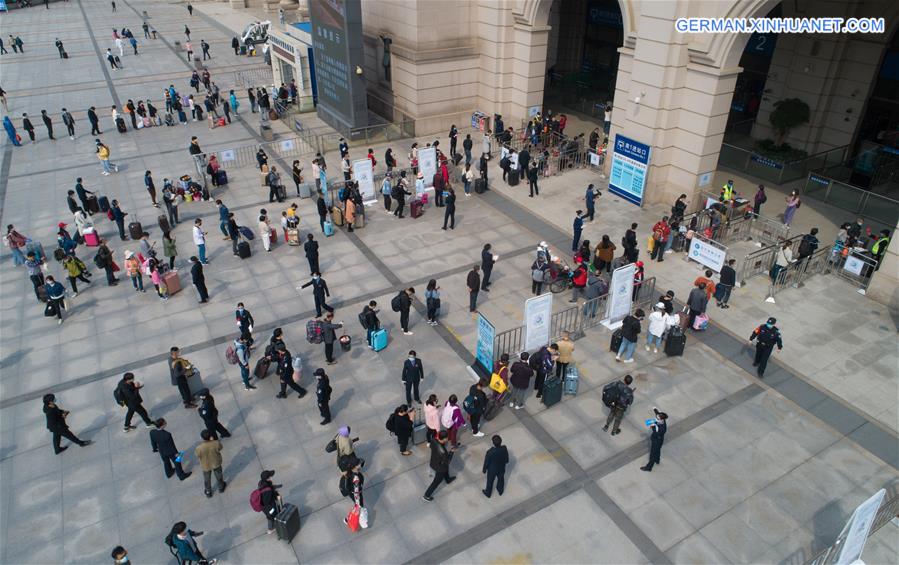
571	381
221	177
379	339
329	228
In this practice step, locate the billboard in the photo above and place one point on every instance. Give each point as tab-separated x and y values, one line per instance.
538	313
630	162
337	45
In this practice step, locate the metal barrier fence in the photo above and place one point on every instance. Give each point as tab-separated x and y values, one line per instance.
794	274
574	320
872	206
776	170
245	155
855	267
254	77
889	510
759	262
768	231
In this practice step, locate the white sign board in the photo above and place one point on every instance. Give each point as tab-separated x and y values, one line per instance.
226	155
858	528
427	164
364	177
538	312
854	265
707	254
621	292
594	159
286	145
705	179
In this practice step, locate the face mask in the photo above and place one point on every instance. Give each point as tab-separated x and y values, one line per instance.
769	326
315	277
124	559
240	310
412	359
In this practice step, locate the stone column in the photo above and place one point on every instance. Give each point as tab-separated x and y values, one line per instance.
884	286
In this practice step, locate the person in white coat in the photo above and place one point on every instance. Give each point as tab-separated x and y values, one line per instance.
82	221
265	231
121	46
659	322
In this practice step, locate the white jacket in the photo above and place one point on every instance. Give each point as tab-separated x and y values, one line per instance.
658	323
82	221
199	236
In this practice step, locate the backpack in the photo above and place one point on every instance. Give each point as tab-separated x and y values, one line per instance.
446	417
537	275
99	261
363	319
256	499
610	394
471	404
314	331
391	423
118	396
805	247
396	302
625	395
345	485
341	194
231	355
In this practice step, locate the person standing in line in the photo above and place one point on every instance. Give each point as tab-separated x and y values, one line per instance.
578	229
310	248
329	336
319	293
495	461
171	199
697	301
759	199
432	301
413	374
479	405
113	6
566	348
659	427
440	461
108	264
403	427
28	126
543	363
162	443
661	231
209	454
474	285
56	423
386	190
630	329
621	397
768	336
133	43
128	393
118	216
533	174
399	194
323	395
151	187
199	279
520	379
629	242
48	123
179	370
487	261
169	249
452	419
726	282
793	204
200	240
235	44
467	145
3	50
210	415
450	213
370	321
432	417
405	304
69	122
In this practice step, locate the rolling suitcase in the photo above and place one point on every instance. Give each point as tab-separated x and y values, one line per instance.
135	230
457	158
513	177
260	371
360	221
91	239
221	177
305	190
243	249
337	216
379	339
480	186
552	391
120	125
172	282
416	208
494	407
65	55
246	233
329	228
293	237
287	522
571	380
103	203
419	429
674	344
93	205
615	345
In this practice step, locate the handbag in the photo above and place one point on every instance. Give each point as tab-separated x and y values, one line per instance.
352	519
331	446
497	383
363	518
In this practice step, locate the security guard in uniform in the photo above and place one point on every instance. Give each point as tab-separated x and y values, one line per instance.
727	191
210	415
879	248
768	336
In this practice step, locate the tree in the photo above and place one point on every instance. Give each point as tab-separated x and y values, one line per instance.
787	114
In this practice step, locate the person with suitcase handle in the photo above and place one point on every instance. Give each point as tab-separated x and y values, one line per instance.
369	320
266	499
350	485
617	396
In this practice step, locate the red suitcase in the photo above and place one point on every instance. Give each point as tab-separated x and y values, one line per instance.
172	282
416	208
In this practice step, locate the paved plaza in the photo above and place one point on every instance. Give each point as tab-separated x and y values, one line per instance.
753	471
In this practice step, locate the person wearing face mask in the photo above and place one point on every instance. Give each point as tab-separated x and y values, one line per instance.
119	555
245	323
319	292
767	336
413	373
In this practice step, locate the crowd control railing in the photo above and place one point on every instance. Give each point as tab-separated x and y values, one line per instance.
760	261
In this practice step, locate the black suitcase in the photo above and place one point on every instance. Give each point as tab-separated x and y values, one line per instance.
221	177
480	186
260	371
494	407
674	344
120	125
457	158
135	230
287	522
513	177
243	249
164	223
65	55
93	205
616	342
104	204
552	391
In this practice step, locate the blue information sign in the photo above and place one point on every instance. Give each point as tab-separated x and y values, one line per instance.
630	161
765	161
486	334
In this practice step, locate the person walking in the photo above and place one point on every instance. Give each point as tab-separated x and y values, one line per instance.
162	443
210	415
103	155
284	367
440	461
405	305
105	261
495	461
473	281
182	538
34	267
618	396
323	395
319	293
310	248
450	213
432	301
75	271
413	374
661	231
209	454
630	329
759	199
198	279
697	301
56	423
768	335
399	194
659	427
329	336
118	216
56	294
242	352
200	240
727	279
180	370
269	498
127	393
578	228
659	323
403	426
476	406
205	48
244	321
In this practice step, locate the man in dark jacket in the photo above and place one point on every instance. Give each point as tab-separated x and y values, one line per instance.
128	391
520	378
118	216
83	195
440	460
487	262
413	373
768	336
476	391
622	397
311	250
284	369
543	363
28	126
72	203
399	193
659	427
94	120
467	145
179	370
104	256
56	423
405	298
161	441
210	415
323	395
726	282
495	461
322	208
48	123
439	187
235	44
244	322
199	279
630	329
533	173
329	336
370	320
697	302
629	242
474	285
319	293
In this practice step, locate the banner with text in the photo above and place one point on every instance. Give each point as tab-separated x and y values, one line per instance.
486	335
630	162
538	313
363	174
427	164
706	253
621	293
